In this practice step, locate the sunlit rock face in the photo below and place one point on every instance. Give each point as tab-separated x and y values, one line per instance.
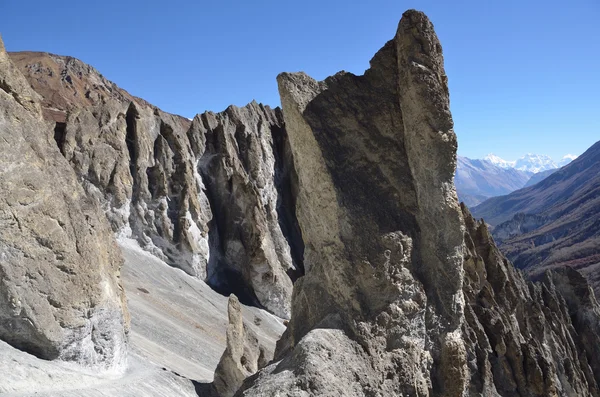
375	156
405	293
212	196
60	289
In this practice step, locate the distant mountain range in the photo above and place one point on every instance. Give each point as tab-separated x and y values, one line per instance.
533	163
554	222
477	180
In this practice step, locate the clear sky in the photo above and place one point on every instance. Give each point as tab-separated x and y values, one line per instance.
524	75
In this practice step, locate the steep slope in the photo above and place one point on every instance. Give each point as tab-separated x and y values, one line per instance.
60	290
177	336
540	176
404	293
526	339
478	180
553	223
211	196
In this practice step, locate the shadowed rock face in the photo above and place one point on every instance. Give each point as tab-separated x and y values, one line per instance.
212	197
404	293
375	157
60	292
245	171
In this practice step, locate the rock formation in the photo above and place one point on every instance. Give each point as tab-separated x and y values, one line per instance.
211	197
405	293
60	292
243	355
244	172
522	338
348	192
375	157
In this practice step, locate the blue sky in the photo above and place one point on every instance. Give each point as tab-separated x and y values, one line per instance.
524	75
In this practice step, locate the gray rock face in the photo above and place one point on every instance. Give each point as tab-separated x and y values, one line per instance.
60	289
242	160
243	355
404	293
169	184
375	157
137	161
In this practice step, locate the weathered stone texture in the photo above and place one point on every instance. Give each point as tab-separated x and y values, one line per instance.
380	221
404	293
60	292
243	355
169	182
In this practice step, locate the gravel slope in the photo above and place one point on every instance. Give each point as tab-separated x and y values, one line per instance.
177	334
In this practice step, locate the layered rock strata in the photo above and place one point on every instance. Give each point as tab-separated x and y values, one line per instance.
60	288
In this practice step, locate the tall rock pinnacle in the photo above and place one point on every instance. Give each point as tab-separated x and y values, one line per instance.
375	156
405	294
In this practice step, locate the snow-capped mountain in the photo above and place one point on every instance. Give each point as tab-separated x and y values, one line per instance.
567	158
499	162
535	163
478	180
530	162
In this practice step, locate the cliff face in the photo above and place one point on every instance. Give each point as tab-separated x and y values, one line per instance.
211	196
404	293
60	290
375	156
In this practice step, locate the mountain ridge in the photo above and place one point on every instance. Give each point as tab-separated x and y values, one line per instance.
554	222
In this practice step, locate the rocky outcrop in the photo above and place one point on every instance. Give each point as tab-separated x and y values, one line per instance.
246	171
243	355
404	293
138	162
60	289
379	310
211	197
522	338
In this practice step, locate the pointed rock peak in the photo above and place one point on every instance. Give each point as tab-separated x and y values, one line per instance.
424	43
2	48
243	355
234	311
